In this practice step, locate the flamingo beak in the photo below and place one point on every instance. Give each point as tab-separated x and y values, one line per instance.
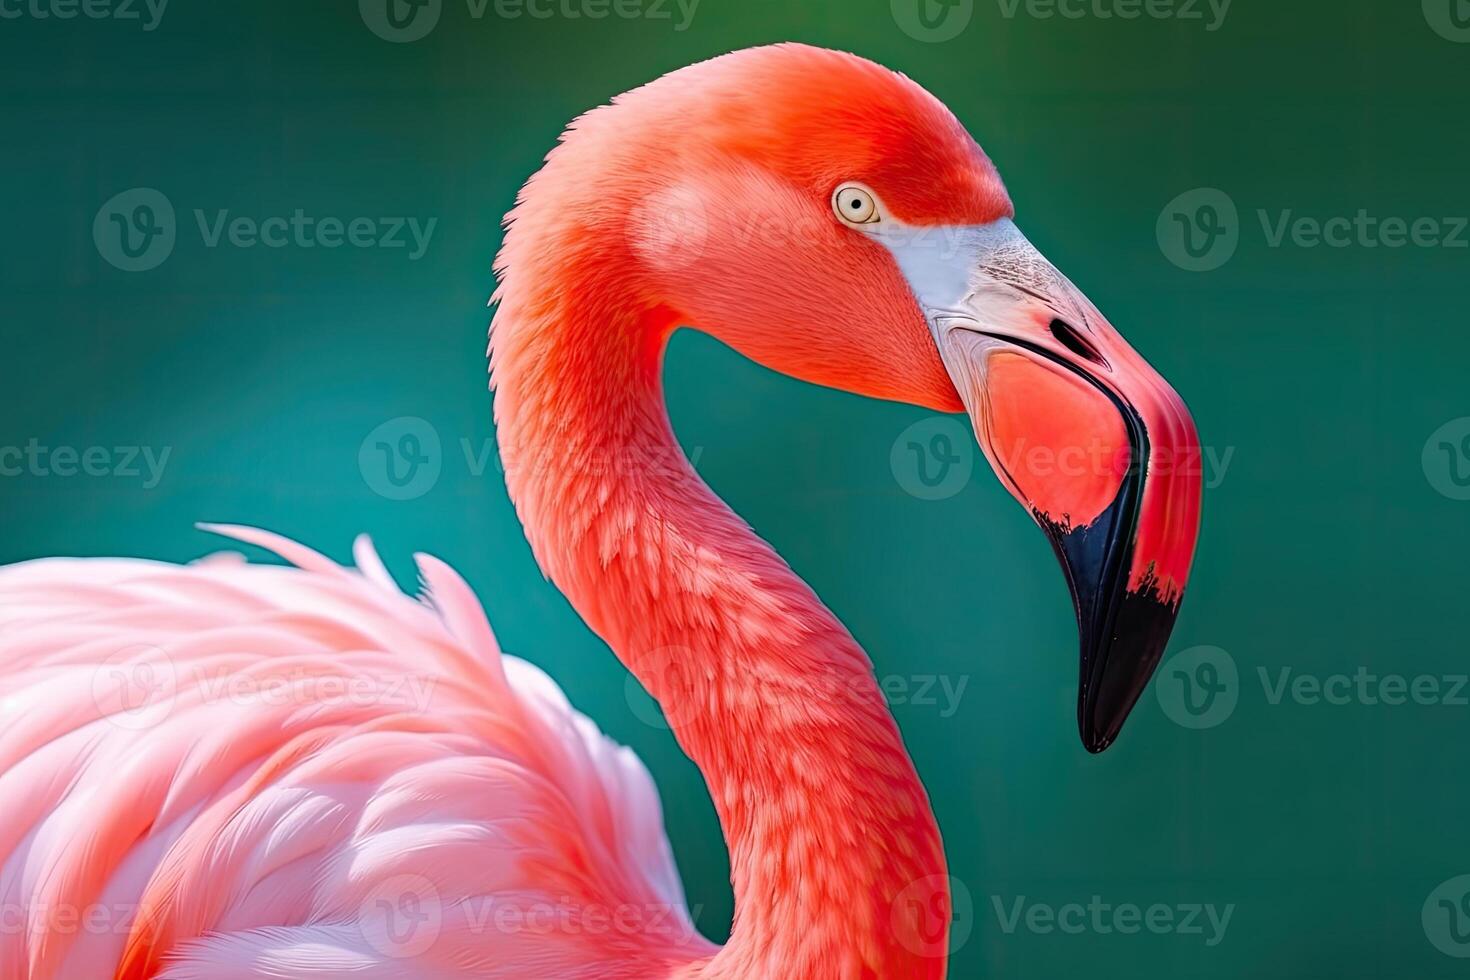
1083	432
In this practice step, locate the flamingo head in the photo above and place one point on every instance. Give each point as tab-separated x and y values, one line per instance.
832	220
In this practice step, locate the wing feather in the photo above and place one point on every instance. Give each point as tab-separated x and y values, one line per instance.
251	770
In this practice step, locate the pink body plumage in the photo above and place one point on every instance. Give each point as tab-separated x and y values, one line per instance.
227	770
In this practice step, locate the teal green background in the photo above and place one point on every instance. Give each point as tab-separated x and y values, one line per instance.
1325	547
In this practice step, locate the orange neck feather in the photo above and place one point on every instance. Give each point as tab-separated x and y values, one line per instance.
836	861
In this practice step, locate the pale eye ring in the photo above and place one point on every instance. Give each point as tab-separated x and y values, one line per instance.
855	204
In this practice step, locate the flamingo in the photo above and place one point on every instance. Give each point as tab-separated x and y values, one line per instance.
236	770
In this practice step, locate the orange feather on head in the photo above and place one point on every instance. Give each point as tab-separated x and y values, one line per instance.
702	198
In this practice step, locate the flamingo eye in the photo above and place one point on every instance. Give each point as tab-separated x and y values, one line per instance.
855	205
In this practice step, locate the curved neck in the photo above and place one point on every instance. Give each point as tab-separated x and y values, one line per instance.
835	856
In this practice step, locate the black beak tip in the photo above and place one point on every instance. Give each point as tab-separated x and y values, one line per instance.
1095	741
1123	626
1099	725
1117	665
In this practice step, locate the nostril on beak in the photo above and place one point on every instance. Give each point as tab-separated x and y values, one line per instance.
1074	342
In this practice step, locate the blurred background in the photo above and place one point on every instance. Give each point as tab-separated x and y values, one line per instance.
1268	199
